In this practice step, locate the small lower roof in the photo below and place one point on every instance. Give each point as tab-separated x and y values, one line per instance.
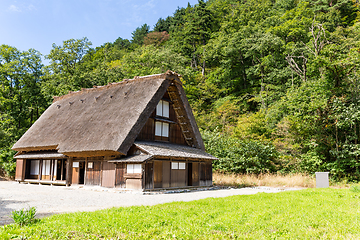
160	149
40	155
134	158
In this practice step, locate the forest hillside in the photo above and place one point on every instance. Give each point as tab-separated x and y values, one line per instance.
274	84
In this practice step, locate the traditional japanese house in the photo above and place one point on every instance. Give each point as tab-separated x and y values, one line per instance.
134	134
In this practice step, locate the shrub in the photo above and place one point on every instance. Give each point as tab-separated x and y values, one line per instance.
7	161
241	156
24	216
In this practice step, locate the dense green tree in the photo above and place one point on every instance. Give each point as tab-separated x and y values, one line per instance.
74	65
139	34
259	75
163	25
21	101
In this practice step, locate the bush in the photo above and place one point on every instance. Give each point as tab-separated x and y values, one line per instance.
24	216
7	161
241	156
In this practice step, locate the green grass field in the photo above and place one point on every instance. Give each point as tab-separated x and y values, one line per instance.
305	214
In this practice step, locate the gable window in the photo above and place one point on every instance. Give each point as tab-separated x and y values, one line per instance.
162	109
133	168
161	129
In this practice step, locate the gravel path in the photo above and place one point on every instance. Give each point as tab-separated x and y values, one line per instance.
58	199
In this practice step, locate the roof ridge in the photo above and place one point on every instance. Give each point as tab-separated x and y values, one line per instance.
124	81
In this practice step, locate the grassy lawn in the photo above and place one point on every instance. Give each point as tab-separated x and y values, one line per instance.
305	214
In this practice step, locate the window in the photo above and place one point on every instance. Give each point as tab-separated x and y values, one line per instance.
178	165
90	165
162	109
182	165
46	167
34	167
174	165
133	168
161	129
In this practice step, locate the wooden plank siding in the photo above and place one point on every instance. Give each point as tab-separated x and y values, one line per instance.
149	168
93	174
175	134
20	170
158	174
205	174
166	174
108	175
194	174
120	173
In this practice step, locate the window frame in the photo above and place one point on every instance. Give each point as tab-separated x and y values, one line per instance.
131	167
161	106
176	165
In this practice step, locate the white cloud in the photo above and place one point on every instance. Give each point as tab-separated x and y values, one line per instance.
31	7
21	8
150	4
14	8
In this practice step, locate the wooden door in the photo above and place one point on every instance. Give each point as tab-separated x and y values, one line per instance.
20	167
108	175
93	173
158	172
166	170
149	175
119	178
195	174
75	175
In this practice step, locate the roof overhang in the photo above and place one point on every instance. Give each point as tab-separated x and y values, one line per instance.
40	155
135	158
170	150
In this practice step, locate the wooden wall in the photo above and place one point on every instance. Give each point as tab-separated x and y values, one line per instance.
93	175
120	173
178	178
20	170
195	174
108	174
175	134
205	170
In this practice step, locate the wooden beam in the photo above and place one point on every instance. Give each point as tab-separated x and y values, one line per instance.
69	171
85	170
40	169
101	171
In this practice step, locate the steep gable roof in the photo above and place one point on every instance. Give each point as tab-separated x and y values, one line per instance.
103	120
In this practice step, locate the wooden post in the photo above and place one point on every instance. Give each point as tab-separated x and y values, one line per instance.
24	169
115	175
69	171
85	170
51	170
101	171
62	169
40	170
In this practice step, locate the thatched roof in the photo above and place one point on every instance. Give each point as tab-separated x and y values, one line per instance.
40	155
161	149
103	120
134	158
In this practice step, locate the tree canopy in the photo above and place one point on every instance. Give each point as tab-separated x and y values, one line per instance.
274	84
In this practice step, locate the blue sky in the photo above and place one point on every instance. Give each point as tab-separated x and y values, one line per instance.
38	24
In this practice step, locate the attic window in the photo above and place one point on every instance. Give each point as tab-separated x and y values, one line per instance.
161	129
162	109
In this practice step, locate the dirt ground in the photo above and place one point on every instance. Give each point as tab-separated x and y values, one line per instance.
50	200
